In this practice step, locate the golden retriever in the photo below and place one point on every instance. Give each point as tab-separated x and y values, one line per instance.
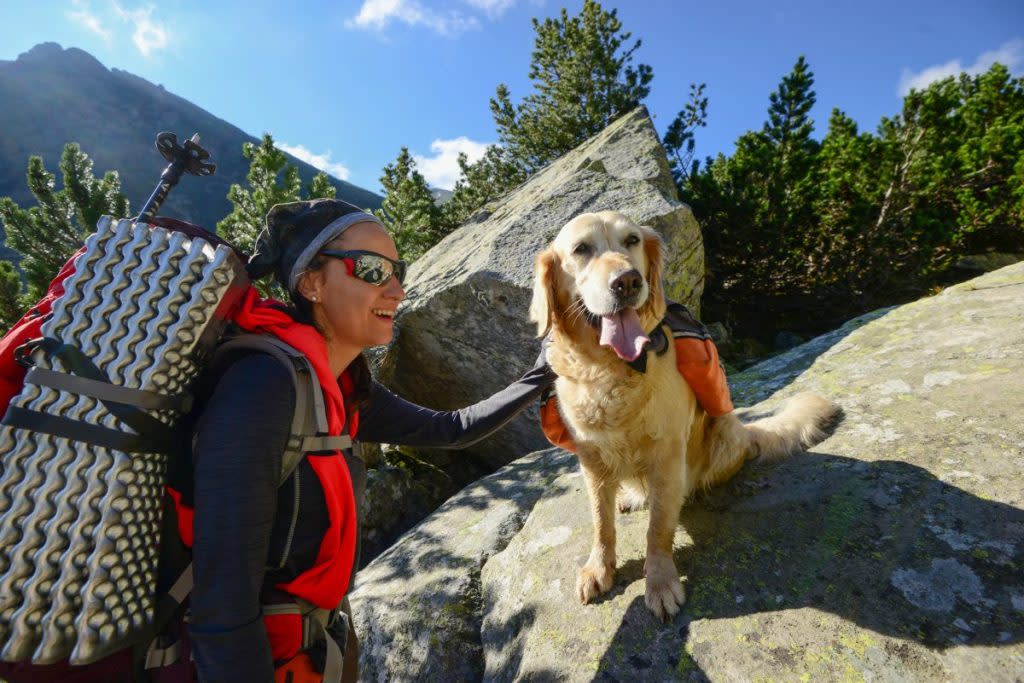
640	437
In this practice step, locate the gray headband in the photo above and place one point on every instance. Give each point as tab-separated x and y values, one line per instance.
327	235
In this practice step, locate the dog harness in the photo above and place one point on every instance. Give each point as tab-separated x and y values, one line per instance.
696	360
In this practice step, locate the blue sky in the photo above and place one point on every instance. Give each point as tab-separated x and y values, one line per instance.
345	84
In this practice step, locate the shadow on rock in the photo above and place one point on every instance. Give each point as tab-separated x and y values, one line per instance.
429	628
883	545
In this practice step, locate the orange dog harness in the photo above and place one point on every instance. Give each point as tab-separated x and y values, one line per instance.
696	360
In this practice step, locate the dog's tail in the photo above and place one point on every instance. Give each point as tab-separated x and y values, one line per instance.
805	421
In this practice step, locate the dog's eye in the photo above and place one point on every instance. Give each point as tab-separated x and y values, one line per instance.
632	241
581	249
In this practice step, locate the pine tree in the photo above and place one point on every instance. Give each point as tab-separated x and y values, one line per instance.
483	181
679	141
583	77
788	133
46	235
409	210
10	295
272	180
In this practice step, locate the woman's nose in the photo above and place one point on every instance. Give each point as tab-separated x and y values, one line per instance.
394	289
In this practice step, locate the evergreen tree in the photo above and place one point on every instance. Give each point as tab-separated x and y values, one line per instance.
409	210
46	235
272	180
792	180
848	192
679	141
483	181
10	295
584	78
861	220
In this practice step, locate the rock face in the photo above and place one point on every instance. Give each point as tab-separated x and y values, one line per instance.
417	607
892	552
463	332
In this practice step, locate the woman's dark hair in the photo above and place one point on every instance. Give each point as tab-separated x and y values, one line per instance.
301	311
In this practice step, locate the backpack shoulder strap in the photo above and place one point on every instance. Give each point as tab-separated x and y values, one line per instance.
308	432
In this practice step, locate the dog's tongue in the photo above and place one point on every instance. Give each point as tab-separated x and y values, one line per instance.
622	332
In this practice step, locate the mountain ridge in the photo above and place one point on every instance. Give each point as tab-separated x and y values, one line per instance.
59	95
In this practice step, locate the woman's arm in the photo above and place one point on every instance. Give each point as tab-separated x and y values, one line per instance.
391	419
237	464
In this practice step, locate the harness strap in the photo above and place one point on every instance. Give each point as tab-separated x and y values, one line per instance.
105	391
315	621
150	435
309	426
159	652
316	444
157	657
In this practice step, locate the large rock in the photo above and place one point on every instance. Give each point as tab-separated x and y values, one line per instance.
892	552
417	607
463	332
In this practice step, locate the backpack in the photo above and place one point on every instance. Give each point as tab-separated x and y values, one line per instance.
109	356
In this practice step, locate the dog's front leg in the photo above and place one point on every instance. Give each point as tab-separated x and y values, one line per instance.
597	575
664	594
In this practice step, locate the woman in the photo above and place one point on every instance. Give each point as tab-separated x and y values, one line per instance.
254	542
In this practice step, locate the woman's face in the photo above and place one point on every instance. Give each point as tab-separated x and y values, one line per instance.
351	312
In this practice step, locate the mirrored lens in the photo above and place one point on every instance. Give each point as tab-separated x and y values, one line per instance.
373	269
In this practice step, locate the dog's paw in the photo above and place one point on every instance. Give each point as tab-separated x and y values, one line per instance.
593	580
665	594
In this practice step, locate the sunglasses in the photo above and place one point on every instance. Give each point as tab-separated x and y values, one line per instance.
369	266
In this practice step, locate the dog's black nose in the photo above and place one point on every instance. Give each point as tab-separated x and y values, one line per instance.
628	284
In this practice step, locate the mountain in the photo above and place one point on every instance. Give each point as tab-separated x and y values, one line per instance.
440	196
50	96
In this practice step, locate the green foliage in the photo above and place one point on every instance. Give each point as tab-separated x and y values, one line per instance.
46	235
272	180
409	210
485	180
860	220
679	141
10	291
583	79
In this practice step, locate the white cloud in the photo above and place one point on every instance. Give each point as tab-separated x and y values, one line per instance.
148	35
319	161
83	16
1010	54
377	14
493	8
442	169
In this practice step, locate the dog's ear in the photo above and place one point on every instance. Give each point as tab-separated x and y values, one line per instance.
544	303
654	253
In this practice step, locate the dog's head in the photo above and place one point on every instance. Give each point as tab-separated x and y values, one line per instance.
602	273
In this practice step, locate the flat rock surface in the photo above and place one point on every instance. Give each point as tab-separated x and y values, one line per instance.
894	551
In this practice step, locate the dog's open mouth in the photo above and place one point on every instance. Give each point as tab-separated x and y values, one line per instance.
621	331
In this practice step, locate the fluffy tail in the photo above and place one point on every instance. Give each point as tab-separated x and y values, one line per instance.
806	420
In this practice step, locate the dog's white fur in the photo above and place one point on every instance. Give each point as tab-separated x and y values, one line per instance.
640	437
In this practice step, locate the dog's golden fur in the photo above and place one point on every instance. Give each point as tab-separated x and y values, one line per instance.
640	437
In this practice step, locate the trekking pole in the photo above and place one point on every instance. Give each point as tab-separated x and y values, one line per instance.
188	158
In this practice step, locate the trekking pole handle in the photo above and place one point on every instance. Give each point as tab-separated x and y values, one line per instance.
188	158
